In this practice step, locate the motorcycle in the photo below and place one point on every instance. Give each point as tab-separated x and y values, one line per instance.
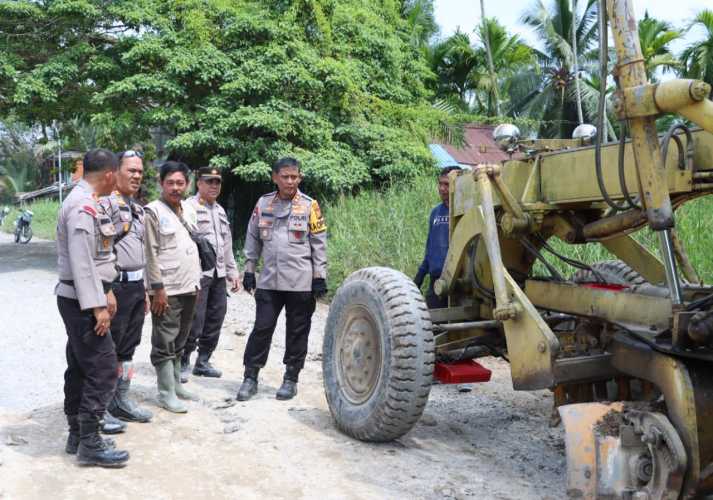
23	230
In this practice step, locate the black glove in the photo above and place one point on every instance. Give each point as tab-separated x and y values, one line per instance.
419	279
249	283
319	287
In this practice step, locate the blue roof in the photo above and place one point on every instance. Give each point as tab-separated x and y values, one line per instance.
442	157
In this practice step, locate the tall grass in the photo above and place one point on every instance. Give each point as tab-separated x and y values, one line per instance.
379	228
694	224
44	220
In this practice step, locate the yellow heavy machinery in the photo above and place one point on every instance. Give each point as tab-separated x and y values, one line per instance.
626	346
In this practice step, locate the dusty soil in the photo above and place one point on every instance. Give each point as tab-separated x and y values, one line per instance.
480	441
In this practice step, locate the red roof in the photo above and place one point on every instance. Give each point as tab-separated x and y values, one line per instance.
479	146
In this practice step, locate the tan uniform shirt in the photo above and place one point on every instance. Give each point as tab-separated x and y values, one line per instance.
171	255
212	223
85	248
291	237
128	219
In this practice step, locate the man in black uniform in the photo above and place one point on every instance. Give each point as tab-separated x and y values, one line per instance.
86	265
132	300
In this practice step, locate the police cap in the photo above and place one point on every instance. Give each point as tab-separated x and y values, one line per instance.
209	173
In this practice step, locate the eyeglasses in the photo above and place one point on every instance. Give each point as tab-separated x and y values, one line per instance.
130	153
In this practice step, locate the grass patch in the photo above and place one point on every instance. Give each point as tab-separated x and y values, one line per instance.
44	221
379	228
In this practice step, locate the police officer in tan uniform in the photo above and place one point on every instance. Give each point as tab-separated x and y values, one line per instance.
86	265
173	274
132	301
212	224
288	231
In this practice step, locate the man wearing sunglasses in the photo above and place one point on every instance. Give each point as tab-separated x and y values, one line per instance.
132	301
212	222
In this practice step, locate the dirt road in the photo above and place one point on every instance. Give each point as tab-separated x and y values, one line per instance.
489	442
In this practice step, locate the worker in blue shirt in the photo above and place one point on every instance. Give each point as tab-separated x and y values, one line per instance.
437	243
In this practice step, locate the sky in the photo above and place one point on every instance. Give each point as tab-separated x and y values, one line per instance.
465	14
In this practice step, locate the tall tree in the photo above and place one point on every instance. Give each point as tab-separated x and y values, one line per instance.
655	37
544	93
698	56
237	83
489	54
421	21
510	54
456	64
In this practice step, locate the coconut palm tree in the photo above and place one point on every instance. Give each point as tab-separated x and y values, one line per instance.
543	92
489	57
510	54
421	21
456	64
698	56
655	37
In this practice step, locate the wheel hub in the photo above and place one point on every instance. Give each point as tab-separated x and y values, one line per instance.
359	354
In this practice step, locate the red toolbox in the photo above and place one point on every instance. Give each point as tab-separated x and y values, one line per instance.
461	372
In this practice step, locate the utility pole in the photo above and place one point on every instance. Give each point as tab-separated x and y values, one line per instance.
59	161
491	66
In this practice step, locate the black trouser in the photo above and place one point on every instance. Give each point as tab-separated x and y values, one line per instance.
91	363
433	301
299	307
129	319
210	312
170	330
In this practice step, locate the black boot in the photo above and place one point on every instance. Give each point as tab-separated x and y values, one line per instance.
288	389
73	438
92	448
203	368
112	425
121	406
249	386
185	366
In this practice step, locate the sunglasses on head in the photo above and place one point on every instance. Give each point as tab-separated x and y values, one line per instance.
130	153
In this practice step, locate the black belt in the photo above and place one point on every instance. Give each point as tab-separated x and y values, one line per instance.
106	285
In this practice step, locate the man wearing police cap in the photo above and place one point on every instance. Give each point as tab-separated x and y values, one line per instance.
212	224
288	232
86	265
132	301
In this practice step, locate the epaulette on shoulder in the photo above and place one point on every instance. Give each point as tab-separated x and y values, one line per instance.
273	193
304	196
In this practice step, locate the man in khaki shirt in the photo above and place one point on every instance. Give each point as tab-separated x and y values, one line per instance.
212	224
86	265
173	274
288	231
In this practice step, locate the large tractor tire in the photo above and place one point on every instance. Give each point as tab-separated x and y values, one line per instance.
614	272
378	355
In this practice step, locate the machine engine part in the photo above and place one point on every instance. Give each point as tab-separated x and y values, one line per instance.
619	453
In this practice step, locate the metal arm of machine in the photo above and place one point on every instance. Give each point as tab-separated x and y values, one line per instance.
504	309
647	153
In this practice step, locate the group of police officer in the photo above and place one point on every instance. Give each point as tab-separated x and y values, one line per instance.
118	260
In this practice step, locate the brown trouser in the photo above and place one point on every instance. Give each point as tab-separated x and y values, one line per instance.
170	331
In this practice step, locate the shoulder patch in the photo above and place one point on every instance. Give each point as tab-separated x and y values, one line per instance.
316	219
90	210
